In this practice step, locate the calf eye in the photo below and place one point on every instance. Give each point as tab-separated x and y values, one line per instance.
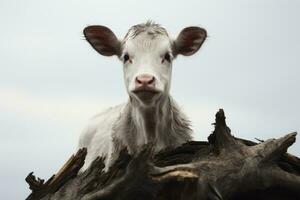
167	57
126	57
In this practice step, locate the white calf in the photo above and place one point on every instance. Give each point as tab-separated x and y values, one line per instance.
150	115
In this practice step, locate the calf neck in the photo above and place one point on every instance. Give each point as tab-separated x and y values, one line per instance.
163	125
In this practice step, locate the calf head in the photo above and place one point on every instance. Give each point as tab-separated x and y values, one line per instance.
147	53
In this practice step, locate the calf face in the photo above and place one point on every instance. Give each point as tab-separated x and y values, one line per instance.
147	53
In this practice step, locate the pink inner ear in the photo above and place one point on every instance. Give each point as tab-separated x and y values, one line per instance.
190	40
103	40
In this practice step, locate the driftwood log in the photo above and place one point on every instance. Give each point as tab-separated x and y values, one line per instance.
225	167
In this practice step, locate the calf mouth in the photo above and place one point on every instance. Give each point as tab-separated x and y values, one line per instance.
146	94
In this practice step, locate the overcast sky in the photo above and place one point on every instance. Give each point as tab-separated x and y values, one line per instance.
52	81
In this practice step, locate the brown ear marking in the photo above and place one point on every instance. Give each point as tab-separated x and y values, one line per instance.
103	40
189	40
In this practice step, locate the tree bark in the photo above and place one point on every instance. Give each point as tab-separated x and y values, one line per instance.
224	168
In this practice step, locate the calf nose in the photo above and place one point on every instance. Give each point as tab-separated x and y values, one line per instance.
144	80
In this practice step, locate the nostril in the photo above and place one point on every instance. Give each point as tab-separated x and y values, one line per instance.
152	80
138	81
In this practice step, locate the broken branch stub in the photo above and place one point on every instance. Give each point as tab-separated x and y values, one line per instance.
221	137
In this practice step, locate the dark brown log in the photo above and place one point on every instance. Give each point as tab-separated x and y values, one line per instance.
225	167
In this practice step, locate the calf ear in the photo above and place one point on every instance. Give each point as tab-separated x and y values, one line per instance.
189	40
103	40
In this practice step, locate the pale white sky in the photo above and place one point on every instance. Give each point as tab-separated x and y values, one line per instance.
52	81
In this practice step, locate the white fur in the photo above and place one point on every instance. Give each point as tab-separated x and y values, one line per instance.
123	126
97	136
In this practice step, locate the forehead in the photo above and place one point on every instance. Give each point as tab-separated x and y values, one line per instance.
145	42
148	36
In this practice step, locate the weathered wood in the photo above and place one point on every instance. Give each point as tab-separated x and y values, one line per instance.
225	167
